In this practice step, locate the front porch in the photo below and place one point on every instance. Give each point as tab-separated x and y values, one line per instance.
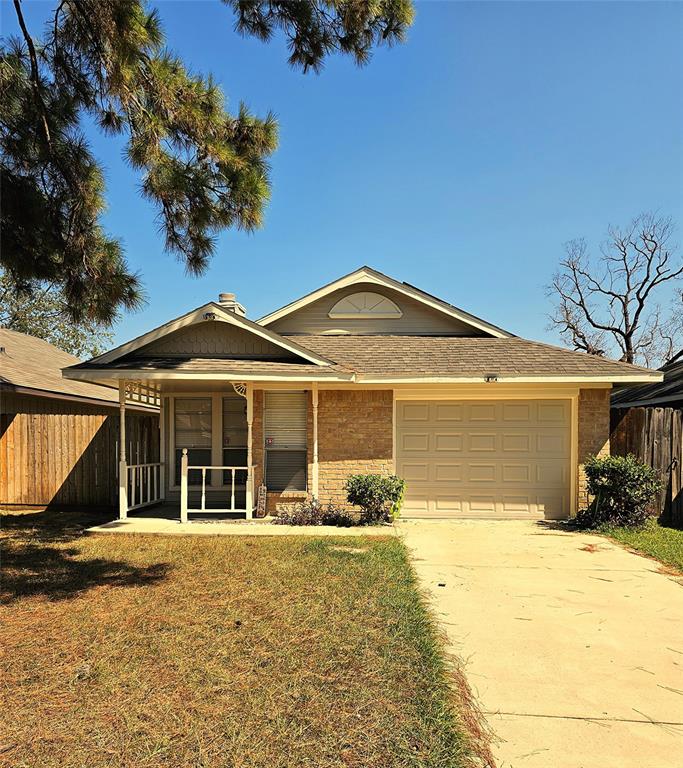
220	444
204	467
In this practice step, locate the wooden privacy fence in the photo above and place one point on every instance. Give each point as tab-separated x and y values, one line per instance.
65	453
654	435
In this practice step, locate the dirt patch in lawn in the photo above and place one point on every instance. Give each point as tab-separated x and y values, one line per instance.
222	652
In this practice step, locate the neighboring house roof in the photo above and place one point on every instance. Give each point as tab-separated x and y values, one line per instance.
34	366
410	357
369	275
668	391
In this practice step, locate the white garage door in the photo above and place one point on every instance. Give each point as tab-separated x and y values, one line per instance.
498	458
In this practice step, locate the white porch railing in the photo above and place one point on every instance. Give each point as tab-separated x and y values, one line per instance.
144	484
185	508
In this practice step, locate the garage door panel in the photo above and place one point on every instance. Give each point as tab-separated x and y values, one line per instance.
516	442
482	473
482	412
448	505
551	474
448	473
448	442
448	412
553	412
517	412
415	472
517	473
552	443
416	412
505	458
417	441
483	441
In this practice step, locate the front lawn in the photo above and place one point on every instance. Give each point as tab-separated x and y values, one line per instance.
664	544
149	651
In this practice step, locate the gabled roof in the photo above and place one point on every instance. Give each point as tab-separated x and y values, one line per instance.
219	314
670	390
368	275
34	366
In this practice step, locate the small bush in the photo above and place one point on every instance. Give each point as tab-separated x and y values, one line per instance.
312	512
380	497
623	491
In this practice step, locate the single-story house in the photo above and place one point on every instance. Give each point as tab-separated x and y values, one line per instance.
365	374
59	437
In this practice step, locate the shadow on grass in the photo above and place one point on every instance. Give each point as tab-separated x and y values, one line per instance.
50	524
34	563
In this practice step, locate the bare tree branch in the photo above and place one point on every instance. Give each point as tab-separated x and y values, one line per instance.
609	303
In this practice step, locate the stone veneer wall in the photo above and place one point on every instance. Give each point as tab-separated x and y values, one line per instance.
593	437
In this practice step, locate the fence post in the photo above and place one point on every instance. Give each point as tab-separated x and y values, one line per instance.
183	486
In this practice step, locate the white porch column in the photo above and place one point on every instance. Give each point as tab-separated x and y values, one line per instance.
250	470
123	467
314	467
162	448
183	486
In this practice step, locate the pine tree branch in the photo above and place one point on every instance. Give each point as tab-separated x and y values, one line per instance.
35	75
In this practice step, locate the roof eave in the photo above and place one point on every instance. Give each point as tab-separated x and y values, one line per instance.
109	374
506	379
53	394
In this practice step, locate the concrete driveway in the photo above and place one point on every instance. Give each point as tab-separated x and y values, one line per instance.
573	646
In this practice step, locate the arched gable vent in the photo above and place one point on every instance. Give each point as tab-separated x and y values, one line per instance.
365	305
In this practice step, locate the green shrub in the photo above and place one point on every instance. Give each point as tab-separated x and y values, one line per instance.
312	512
623	492
379	497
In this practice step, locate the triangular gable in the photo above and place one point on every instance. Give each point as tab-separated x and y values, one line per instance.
210	313
367	275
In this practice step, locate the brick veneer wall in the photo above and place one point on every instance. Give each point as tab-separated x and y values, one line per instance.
593	437
257	451
355	435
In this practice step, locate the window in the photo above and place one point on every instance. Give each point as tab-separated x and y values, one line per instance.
234	438
365	305
285	441
193	431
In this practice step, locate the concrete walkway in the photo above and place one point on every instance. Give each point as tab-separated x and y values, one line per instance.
263	527
573	646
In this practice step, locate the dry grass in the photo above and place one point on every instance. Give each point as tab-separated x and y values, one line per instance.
133	651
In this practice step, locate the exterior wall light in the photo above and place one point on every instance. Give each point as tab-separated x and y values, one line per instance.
491	377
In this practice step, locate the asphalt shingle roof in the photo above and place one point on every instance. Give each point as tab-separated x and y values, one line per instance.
669	391
243	367
35	364
459	355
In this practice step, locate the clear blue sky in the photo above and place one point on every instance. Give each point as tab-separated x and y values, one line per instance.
459	162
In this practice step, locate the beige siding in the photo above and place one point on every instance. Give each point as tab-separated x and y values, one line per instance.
215	338
417	318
